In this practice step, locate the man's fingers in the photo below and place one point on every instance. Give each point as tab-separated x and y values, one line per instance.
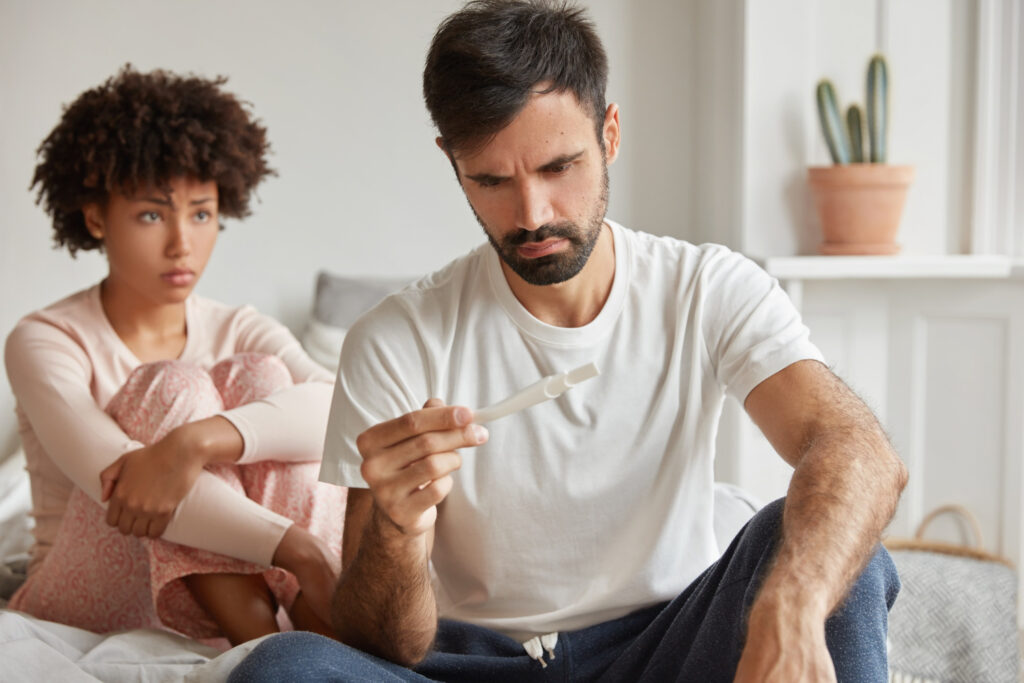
433	419
433	403
418	511
414	448
384	465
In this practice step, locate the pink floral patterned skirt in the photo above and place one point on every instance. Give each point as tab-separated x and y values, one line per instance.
98	579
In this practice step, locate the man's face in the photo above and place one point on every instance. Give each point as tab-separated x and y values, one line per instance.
540	187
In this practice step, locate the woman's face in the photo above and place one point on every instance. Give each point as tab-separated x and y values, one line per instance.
157	241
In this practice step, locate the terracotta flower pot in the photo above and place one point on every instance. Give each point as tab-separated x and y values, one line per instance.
859	206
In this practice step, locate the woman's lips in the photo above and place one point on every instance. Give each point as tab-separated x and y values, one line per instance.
536	250
179	278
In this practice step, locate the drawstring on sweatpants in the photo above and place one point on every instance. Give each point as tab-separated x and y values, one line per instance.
538	645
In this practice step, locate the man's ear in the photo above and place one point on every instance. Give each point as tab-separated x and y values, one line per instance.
611	132
93	220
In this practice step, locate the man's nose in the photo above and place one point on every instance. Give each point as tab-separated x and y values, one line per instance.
535	207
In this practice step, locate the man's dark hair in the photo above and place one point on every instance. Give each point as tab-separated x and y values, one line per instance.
144	129
487	59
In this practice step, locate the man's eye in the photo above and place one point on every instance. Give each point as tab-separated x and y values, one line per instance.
489	182
561	168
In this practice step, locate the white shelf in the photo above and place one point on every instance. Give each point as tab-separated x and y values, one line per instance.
892	267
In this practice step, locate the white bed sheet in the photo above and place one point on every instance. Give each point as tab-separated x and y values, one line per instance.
33	650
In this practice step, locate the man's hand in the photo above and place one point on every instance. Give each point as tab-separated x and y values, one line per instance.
784	646
385	603
408	461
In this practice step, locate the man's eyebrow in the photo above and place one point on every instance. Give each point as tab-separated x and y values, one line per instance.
562	160
486	178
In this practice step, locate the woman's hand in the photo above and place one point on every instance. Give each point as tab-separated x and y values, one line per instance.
313	564
144	487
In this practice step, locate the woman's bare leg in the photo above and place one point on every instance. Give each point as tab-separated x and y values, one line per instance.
241	604
304	619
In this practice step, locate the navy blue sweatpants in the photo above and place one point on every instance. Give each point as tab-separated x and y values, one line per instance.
698	636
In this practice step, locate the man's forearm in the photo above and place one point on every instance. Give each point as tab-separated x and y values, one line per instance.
385	603
843	493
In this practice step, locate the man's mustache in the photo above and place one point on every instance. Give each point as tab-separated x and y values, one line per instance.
545	232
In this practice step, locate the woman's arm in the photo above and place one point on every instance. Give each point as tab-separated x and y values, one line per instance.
288	425
50	376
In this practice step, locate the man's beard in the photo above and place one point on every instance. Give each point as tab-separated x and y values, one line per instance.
562	265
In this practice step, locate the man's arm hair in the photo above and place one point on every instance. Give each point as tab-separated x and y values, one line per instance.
845	487
384	603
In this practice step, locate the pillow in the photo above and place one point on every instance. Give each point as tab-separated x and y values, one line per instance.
337	303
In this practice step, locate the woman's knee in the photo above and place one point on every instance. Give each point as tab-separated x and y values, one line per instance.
247	377
162	395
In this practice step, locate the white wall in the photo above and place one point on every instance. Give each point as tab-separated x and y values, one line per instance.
362	189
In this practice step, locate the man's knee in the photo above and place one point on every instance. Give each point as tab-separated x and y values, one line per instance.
878	583
761	533
290	656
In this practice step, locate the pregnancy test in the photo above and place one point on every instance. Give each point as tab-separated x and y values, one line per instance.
544	389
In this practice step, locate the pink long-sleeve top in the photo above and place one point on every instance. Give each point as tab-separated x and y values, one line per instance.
66	362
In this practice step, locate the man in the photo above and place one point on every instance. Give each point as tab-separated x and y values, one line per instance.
573	539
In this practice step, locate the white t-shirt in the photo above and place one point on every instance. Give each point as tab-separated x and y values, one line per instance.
598	503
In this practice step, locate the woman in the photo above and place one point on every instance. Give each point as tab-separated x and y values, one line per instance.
199	426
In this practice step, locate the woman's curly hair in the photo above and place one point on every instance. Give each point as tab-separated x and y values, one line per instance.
142	130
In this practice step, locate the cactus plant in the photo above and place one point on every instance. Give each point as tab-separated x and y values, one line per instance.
845	139
832	123
878	107
856	128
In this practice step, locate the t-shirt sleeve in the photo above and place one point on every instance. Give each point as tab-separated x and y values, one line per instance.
288	425
751	328
383	374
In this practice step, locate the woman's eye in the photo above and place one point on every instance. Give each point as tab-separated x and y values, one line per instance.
149	217
203	216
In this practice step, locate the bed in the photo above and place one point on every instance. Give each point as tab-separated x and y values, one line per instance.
36	650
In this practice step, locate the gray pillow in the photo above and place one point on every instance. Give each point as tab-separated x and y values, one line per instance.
337	304
340	300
